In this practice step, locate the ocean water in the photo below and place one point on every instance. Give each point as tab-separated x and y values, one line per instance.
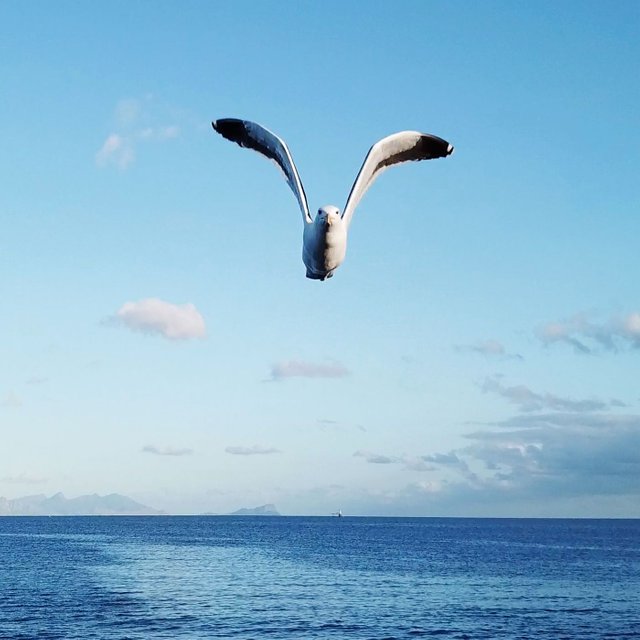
279	577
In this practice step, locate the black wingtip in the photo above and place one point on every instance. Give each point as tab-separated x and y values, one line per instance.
430	147
230	128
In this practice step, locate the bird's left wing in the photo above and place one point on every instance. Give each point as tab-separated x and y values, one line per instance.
254	136
394	149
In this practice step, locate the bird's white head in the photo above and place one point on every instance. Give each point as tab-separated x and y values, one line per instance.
327	215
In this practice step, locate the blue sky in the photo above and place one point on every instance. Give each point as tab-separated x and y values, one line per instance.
476	354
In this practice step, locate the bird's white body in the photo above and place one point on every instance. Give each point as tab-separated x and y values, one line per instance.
324	243
324	238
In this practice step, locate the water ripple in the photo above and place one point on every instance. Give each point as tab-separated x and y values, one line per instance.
290	578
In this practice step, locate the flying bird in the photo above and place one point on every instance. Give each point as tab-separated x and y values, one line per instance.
324	239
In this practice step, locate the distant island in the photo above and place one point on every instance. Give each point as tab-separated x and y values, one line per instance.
264	510
113	504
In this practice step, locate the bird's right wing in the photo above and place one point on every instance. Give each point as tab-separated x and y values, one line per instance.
253	136
399	147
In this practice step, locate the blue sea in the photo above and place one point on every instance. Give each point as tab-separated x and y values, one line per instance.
285	577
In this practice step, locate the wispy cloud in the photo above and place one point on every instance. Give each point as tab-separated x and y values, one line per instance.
528	400
255	450
167	451
334	425
585	336
488	348
301	369
155	316
127	111
23	479
11	400
418	462
377	458
446	459
117	150
160	133
136	121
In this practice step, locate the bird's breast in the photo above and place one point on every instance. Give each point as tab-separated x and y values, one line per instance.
324	247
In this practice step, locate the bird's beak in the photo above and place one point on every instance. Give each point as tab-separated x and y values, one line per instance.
329	220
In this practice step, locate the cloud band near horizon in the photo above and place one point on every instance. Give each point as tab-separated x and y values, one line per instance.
302	369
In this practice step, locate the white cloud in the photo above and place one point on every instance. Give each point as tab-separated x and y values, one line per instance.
154	316
166	451
301	369
255	450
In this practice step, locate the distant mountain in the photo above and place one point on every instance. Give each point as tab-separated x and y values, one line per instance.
89	505
264	510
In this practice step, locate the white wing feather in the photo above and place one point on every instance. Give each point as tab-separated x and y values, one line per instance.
399	147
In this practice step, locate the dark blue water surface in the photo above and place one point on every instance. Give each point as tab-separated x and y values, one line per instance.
271	577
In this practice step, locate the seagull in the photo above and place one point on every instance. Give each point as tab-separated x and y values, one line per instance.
324	239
